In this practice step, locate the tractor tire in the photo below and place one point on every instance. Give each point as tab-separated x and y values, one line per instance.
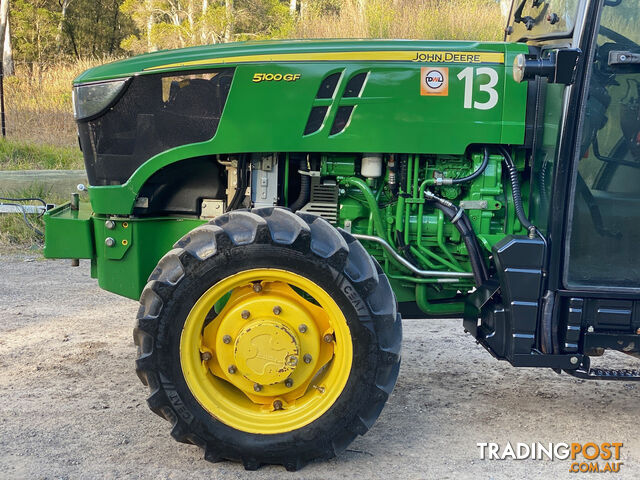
219	335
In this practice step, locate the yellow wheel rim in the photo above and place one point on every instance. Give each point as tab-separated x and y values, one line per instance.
275	357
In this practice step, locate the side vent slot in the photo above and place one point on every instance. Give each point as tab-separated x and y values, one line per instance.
328	86
342	119
316	119
354	89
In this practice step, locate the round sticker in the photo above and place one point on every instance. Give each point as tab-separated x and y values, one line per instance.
434	79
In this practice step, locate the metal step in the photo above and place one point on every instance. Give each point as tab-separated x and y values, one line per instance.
624	375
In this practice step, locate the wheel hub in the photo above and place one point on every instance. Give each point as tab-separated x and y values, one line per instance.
261	356
266	351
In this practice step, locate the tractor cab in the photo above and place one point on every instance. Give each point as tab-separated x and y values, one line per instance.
579	272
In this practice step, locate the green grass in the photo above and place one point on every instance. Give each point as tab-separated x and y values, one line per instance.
16	155
14	231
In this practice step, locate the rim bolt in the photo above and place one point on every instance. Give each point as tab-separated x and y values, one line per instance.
245	314
232	369
277	310
288	383
205	356
257	387
307	358
257	287
277	405
328	338
226	339
302	328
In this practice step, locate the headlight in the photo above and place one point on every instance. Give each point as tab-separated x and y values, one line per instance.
92	98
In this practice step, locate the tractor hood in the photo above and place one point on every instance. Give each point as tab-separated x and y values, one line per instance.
301	51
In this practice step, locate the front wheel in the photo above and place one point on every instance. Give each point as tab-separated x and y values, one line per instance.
269	338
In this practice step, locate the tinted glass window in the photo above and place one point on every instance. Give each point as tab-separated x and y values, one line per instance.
542	19
155	113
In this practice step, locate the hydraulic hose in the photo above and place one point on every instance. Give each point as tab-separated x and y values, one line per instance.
515	188
459	219
477	173
305	189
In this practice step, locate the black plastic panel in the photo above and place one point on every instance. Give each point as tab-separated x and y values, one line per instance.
509	303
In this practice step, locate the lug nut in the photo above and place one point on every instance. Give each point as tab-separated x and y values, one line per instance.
328	338
110	224
292	360
205	356
257	287
302	328
257	387
277	310
109	242
288	383
590	329
232	369
277	405
226	339
307	358
245	314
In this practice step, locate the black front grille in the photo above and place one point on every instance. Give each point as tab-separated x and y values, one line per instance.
156	113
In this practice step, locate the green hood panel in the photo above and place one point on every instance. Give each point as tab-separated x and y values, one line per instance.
215	55
424	97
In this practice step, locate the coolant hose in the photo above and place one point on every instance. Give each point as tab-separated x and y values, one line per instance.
515	189
371	202
305	189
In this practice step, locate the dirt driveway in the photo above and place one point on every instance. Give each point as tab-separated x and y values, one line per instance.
71	405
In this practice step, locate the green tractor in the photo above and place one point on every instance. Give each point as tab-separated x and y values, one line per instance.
277	206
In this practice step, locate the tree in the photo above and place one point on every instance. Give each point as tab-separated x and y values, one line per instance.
7	54
64	5
229	12
4	21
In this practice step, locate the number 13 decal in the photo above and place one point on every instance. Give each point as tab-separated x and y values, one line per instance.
467	76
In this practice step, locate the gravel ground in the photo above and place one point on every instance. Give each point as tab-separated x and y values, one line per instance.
71	405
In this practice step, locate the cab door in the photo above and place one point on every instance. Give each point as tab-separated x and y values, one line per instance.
599	299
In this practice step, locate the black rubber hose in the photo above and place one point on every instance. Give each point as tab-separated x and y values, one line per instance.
477	173
515	189
305	189
241	186
480	273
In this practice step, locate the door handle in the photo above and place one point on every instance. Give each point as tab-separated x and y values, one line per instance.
621	57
